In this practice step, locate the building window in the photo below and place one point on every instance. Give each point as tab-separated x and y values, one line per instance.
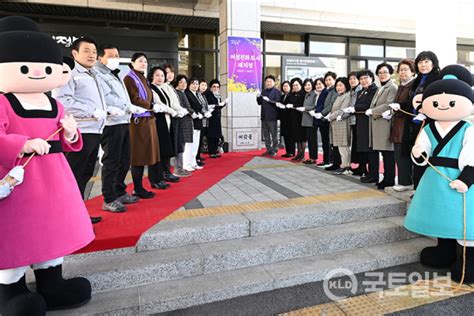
327	45
273	67
366	47
399	49
197	64
191	39
284	43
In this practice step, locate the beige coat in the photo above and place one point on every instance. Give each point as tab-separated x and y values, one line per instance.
379	128
340	130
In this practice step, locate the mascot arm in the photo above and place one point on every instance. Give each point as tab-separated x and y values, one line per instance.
466	158
11	144
424	144
67	145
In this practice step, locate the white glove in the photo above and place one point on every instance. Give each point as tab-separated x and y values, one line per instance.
350	109
182	113
312	113
327	117
211	110
115	111
280	105
300	108
172	112
387	115
211	106
18	174
194	116
394	106
339	118
5	190
289	106
136	109
318	116
224	102
368	112
420	117
100	114
200	116
207	114
158	108
266	98
185	112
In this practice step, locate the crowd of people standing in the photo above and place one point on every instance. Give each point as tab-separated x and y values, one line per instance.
359	120
143	120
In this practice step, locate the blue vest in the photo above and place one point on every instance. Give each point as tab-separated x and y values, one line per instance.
437	210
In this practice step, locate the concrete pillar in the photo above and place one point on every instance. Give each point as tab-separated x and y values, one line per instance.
239	18
436	29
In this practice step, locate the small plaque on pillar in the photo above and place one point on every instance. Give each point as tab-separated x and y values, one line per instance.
245	138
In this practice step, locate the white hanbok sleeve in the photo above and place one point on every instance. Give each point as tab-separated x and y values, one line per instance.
425	144
466	157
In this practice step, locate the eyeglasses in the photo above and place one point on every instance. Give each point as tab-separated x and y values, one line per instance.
403	69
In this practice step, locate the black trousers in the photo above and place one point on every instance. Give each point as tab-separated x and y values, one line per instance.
388	166
372	159
354	153
324	131
115	142
312	138
212	143
156	172
290	147
336	157
418	172
201	136
83	162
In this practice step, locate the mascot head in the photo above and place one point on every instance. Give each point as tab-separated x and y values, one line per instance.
30	61
450	98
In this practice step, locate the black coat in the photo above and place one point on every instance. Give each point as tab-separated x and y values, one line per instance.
214	130
297	131
284	116
186	122
411	130
196	106
268	110
362	104
166	146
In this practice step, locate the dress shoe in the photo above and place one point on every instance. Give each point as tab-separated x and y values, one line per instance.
215	156
309	162
267	153
162	185
297	158
382	185
95	220
144	194
200	163
323	164
287	155
114	207
197	167
367	179
169	177
332	168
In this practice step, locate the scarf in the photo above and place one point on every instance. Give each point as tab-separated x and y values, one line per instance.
141	89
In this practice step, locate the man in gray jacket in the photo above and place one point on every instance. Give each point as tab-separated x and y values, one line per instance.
115	140
83	98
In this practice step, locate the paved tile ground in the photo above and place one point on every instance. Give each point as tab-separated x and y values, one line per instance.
260	180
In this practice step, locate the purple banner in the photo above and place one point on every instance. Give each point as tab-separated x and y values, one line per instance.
244	64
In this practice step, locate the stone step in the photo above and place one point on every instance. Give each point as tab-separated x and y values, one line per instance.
192	291
126	270
175	233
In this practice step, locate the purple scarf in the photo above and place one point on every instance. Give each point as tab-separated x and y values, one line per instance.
141	91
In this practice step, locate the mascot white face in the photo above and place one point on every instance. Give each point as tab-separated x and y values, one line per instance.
30	62
449	99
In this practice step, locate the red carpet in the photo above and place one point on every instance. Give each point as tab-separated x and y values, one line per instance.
124	229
